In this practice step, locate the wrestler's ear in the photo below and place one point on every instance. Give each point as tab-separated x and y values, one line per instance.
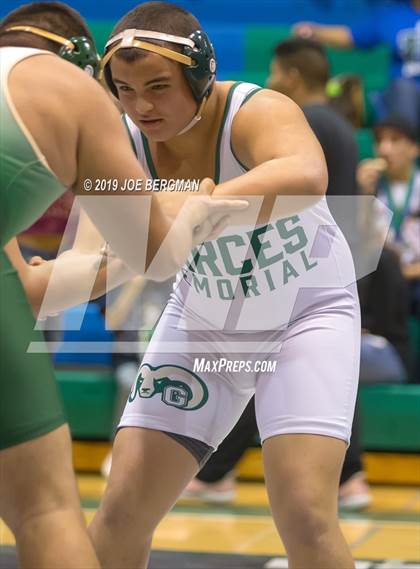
207	187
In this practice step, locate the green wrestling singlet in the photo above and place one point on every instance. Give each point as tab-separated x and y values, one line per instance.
30	405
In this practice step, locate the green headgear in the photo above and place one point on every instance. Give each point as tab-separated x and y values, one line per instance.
197	56
78	50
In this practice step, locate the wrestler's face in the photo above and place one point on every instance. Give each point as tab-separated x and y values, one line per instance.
154	93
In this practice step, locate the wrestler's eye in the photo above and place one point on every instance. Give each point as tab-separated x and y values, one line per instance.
125	88
160	87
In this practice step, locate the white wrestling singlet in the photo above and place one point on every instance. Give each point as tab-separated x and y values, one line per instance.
284	294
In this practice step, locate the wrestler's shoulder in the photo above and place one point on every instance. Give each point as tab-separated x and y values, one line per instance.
266	101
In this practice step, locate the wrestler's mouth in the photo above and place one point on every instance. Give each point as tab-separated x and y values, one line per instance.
150	123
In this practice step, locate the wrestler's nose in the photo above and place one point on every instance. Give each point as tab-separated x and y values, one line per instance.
143	106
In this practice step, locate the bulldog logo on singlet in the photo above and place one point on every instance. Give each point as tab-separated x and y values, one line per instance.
177	386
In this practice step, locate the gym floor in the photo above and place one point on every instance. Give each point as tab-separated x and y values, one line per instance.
242	535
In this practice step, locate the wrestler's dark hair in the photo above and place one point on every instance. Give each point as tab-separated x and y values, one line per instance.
308	57
53	17
156	17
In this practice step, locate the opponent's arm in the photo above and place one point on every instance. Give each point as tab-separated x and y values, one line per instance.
63	276
272	138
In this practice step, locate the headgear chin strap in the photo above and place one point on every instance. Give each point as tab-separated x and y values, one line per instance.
196	118
78	50
197	58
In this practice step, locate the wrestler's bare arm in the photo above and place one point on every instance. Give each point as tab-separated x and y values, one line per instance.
271	136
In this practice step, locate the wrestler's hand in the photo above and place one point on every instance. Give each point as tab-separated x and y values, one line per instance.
201	218
210	216
171	203
206	187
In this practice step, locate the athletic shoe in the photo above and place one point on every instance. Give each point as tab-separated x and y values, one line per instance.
354	494
221	492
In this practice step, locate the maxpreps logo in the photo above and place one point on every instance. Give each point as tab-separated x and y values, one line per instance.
177	386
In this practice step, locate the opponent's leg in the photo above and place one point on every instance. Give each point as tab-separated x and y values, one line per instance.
149	471
38	494
302	474
40	503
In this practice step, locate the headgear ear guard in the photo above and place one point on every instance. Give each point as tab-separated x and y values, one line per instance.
78	50
202	75
197	56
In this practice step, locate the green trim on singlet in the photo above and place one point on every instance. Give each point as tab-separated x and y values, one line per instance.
251	94
148	153
133	146
221	129
149	158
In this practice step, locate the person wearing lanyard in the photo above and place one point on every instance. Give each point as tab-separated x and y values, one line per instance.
394	176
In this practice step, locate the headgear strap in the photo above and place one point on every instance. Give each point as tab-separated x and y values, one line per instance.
43	33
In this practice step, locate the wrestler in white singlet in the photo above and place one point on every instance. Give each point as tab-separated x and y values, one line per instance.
283	292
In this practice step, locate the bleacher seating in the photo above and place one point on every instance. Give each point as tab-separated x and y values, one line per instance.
89	397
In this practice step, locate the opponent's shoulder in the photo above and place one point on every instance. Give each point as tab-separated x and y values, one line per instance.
58	80
47	72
